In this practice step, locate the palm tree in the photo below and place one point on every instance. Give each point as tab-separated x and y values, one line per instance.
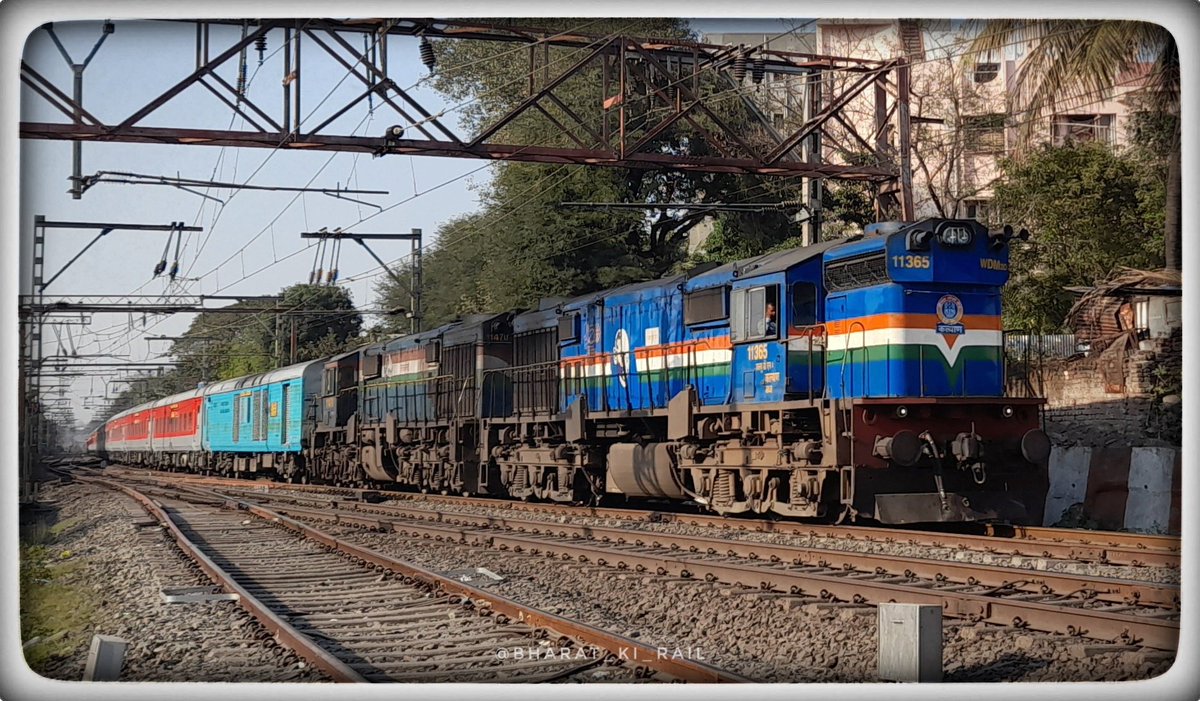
1072	59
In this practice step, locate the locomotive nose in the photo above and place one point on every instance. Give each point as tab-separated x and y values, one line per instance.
1035	446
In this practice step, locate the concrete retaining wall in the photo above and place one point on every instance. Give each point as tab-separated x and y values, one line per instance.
1120	488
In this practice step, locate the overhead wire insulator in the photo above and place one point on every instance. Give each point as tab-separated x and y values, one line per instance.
162	263
739	64
758	69
427	55
241	74
178	241
260	45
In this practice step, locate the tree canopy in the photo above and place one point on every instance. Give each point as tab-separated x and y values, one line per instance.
1090	209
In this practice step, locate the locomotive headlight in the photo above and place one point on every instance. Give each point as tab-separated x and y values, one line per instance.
1007	411
901	412
956	236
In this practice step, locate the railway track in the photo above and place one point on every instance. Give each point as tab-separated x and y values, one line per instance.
361	616
1105	547
1110	610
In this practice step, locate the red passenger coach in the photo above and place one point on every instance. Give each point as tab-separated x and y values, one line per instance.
165	432
129	431
175	426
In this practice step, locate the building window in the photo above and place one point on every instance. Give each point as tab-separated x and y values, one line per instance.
979	210
984	133
777	120
1082	128
986	72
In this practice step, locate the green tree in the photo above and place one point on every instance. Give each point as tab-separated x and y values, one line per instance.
1083	58
319	320
1089	211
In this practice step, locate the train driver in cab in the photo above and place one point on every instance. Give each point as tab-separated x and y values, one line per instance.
766	326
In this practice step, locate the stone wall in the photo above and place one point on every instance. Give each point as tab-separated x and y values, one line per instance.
1110	399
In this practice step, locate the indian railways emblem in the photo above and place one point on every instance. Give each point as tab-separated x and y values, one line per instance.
950	313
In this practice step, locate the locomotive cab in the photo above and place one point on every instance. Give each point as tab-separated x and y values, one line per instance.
915	360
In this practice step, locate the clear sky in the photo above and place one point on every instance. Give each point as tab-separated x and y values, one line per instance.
250	244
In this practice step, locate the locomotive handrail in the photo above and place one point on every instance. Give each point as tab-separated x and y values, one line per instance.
811	332
846	354
524	375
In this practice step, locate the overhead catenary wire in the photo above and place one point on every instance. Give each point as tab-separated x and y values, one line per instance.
261	165
222	153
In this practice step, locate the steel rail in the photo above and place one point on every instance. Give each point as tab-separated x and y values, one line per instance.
1051	618
1063	620
1108	547
1114	590
618	647
287	636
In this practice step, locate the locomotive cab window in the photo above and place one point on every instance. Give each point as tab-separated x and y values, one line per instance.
329	386
755	314
804	305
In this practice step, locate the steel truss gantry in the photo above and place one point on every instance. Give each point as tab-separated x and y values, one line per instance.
670	80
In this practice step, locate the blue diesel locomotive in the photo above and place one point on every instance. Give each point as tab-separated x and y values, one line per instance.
857	378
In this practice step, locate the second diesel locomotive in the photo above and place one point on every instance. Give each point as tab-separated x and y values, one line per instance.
859	378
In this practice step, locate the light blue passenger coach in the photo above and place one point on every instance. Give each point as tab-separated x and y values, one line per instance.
256	422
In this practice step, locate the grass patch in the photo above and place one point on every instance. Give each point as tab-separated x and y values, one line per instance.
62	527
55	608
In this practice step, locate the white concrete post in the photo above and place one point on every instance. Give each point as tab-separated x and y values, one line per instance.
910	642
105	658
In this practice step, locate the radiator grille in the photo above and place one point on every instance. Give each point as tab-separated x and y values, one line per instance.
852	273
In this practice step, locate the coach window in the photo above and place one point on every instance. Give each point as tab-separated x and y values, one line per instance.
804	305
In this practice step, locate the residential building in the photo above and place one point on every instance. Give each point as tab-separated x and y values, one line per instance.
966	114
